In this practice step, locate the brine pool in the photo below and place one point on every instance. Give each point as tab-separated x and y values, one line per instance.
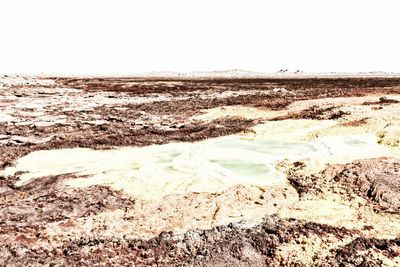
207	166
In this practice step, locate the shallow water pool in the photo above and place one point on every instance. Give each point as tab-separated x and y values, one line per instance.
208	166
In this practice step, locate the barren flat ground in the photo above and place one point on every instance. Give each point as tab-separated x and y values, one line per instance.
199	172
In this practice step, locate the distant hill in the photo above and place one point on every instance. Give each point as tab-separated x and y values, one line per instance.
239	73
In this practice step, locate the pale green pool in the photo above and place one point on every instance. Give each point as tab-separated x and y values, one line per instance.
211	166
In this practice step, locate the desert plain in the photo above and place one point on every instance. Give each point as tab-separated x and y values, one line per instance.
202	171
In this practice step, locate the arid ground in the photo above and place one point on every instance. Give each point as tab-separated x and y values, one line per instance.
81	182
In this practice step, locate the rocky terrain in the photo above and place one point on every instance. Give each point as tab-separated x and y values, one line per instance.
339	209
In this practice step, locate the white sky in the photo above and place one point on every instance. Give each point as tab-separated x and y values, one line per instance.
121	36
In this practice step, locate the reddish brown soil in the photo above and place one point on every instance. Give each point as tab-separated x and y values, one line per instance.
232	244
160	85
382	101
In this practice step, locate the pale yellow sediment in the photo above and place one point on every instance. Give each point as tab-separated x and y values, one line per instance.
355	214
239	111
178	213
308	249
290	130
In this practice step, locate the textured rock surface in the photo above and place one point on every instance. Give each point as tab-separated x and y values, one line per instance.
237	244
47	200
378	180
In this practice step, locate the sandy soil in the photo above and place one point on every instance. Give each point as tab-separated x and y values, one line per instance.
341	210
